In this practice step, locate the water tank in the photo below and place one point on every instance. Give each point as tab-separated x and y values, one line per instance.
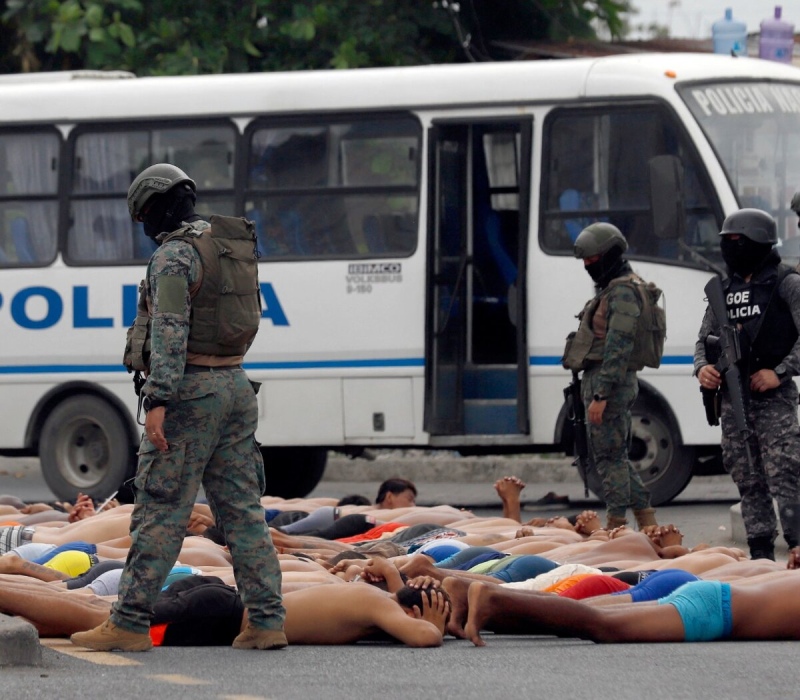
777	39
730	35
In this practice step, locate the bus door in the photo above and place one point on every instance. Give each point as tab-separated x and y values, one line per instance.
476	379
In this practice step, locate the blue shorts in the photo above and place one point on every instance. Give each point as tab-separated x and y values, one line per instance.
705	610
660	584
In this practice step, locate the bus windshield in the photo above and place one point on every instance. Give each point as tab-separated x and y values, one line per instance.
755	129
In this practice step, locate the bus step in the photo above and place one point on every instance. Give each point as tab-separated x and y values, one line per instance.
490	382
490	417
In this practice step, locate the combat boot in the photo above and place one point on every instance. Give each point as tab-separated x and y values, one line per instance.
645	517
110	637
613	521
761	548
257	638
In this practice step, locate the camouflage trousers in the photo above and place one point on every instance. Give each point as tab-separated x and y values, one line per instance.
609	443
775	448
210	429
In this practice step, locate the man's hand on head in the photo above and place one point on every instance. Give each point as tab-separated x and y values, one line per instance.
435	609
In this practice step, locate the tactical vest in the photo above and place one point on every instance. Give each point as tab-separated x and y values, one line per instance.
767	328
587	345
226	305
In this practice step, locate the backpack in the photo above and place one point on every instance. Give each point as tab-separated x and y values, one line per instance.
648	347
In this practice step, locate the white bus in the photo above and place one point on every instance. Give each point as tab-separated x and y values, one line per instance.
415	229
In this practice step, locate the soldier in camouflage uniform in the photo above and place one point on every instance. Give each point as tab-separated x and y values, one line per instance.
201	415
763	301
602	348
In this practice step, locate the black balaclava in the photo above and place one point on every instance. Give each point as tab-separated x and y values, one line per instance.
166	212
607	267
743	256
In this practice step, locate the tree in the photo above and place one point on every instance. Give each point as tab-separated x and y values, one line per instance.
154	37
487	25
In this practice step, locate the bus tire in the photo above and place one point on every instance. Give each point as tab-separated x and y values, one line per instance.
84	446
293	472
662	461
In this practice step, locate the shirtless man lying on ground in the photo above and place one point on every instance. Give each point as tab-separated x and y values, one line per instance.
212	613
697	611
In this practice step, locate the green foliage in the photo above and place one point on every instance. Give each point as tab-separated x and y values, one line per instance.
53	35
161	37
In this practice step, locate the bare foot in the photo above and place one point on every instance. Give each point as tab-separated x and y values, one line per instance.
457	589
478	613
587	522
420	565
509	486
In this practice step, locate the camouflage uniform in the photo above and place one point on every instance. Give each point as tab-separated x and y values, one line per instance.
609	442
210	424
775	444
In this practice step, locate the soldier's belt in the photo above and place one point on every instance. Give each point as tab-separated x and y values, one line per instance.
194	369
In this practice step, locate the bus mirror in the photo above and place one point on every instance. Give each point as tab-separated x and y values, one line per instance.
666	197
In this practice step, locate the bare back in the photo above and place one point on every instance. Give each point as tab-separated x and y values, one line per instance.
769	610
349	613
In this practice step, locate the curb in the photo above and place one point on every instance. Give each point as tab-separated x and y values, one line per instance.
445	467
19	643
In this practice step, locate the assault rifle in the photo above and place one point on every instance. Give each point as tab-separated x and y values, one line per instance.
576	415
729	353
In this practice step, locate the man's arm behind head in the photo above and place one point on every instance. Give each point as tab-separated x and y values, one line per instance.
416	617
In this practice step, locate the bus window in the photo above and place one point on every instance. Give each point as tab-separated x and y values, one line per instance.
342	189
105	163
596	169
752	127
28	198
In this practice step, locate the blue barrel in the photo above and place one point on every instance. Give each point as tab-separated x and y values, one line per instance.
777	39
730	35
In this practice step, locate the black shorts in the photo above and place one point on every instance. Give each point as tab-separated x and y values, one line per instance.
199	611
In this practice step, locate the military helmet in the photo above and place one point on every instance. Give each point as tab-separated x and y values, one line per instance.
598	239
157	179
795	205
754	224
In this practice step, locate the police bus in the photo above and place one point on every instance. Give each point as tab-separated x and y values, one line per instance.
415	232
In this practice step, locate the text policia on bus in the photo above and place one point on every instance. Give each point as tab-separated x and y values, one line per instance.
415	236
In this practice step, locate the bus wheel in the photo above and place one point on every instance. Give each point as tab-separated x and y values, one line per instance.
293	472
84	447
663	462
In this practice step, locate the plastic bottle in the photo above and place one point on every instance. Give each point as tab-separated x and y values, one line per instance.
777	39
730	35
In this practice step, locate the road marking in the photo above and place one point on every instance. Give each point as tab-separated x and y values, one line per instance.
101	658
179	679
